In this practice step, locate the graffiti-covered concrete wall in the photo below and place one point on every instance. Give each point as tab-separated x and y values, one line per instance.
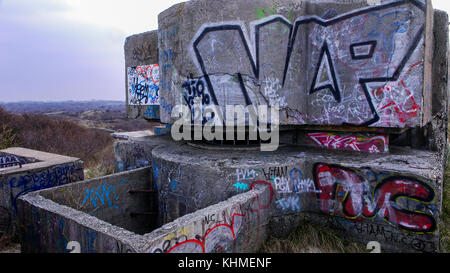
36	171
92	213
398	194
238	225
112	199
60	220
142	76
323	63
393	198
359	76
136	152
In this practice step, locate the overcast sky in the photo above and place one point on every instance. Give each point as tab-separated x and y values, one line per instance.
53	50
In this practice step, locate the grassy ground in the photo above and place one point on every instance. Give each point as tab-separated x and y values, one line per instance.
104	165
310	238
445	219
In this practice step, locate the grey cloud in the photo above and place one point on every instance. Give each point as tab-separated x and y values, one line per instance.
59	60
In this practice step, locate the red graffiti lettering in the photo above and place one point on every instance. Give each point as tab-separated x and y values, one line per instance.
350	189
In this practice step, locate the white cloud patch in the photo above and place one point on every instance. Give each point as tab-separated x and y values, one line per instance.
54	50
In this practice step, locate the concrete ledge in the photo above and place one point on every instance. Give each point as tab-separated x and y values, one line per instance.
42	171
41	160
238	225
50	219
48	226
136	151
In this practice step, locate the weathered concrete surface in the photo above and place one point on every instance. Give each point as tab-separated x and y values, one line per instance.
136	151
237	225
132	135
43	170
112	200
142	75
399	192
357	142
51	221
158	130
394	199
347	62
94	213
438	130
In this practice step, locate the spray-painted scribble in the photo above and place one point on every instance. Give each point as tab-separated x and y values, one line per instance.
334	65
7	161
56	176
371	144
291	203
143	85
102	197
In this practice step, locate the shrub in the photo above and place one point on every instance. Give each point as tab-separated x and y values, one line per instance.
39	132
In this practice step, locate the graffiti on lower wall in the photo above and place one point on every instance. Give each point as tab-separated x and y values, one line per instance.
230	230
404	202
102	197
143	85
52	233
152	112
371	144
7	161
52	177
366	66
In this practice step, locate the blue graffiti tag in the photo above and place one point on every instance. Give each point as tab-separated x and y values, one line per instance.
400	25
152	112
290	203
174	185
98	195
49	178
241	187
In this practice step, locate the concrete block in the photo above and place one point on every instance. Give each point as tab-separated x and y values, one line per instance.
400	191
39	171
393	198
142	76
136	151
95	214
238	225
323	63
55	220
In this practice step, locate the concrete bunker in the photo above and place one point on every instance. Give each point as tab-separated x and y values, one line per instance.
25	171
363	91
117	214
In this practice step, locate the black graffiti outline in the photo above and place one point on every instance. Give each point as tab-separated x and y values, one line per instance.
292	38
333	88
372	44
393	199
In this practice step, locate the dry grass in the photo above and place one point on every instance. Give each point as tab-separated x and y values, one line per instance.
58	136
310	238
445	218
105	164
8	245
53	135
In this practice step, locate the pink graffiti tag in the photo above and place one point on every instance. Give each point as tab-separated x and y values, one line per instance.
376	144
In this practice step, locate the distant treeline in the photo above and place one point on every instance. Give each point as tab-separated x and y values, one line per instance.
40	132
63	106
